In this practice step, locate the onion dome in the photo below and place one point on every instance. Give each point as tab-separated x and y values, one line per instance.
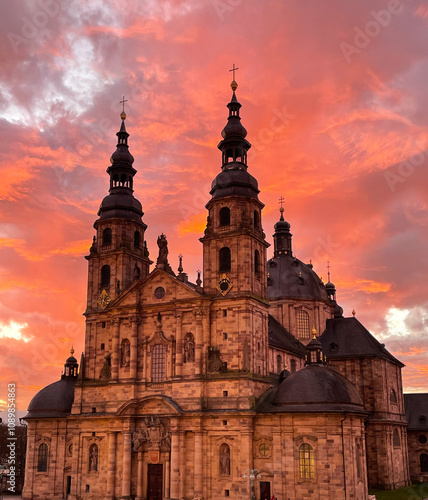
120	203
56	400
234	180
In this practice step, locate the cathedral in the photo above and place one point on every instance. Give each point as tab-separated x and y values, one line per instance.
248	384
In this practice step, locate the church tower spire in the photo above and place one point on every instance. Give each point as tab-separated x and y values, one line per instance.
282	236
235	274
118	255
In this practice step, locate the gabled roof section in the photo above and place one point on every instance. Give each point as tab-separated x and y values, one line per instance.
143	291
416	406
281	338
348	338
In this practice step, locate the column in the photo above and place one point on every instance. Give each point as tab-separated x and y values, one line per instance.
111	476
198	464
140	476
198	341
247	455
277	483
175	465
179	344
115	356
134	347
126	472
167	489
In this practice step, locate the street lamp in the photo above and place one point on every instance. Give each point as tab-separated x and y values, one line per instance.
252	474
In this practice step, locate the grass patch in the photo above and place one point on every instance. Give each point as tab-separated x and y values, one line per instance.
415	492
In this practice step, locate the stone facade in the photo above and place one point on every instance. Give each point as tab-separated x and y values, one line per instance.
181	394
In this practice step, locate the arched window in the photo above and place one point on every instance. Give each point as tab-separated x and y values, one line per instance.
303	325
105	276
306	461
158	363
137	239
224	216
42	458
93	457
256	262
256	219
293	365
279	363
224	460
225	259
396	439
393	397
107	236
424	462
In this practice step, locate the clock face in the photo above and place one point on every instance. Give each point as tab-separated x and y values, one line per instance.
103	299
224	285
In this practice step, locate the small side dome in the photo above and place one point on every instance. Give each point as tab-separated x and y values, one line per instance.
317	388
54	401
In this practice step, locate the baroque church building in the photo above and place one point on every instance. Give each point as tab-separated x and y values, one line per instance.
247	384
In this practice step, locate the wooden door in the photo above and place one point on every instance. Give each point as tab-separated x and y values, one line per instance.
264	490
154	481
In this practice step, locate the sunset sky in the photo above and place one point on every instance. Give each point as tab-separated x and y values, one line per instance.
334	97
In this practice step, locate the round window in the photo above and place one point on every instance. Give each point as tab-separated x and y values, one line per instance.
422	439
160	292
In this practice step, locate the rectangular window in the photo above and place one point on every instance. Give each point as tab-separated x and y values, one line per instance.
158	363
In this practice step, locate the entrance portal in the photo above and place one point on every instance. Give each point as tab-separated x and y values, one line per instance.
264	490
154	481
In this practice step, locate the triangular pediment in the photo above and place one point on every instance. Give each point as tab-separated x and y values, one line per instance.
157	288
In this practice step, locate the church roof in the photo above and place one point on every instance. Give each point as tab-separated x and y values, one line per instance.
290	277
315	388
416	406
54	401
280	337
347	337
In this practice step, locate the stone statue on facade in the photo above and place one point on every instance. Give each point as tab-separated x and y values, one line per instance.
105	372
162	260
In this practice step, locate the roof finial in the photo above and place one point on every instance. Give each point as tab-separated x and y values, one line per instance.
234	85
353	312
314	332
199	281
123	114
180	265
72	350
281	208
328	270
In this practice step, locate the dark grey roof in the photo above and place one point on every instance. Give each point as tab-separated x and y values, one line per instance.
54	401
120	205
315	388
416	406
282	338
235	181
290	277
347	337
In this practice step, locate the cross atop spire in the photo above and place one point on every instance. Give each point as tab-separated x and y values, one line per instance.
123	114
281	201
234	69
